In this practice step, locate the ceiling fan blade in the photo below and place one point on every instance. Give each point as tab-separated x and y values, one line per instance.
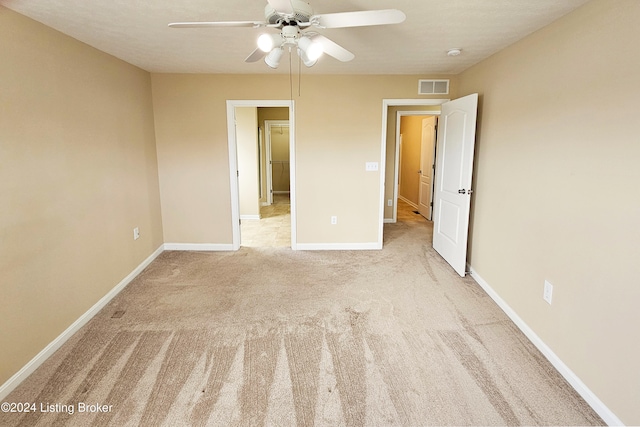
255	56
252	24
283	7
358	19
331	48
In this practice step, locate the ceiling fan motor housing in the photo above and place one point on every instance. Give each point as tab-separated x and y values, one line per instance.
301	13
290	34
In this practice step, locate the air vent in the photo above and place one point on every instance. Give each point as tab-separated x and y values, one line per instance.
433	87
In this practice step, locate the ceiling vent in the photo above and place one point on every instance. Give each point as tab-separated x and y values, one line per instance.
433	87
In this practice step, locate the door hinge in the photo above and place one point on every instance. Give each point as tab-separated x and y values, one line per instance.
238	173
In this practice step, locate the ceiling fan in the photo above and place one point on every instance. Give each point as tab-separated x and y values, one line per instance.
294	18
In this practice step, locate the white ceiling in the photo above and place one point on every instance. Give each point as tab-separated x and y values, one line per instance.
136	31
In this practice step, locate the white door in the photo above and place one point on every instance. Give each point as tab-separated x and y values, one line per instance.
426	166
454	166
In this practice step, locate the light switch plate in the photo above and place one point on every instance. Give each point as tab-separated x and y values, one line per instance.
371	166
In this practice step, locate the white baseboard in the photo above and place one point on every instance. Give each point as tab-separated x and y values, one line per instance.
389	221
198	247
54	345
338	246
605	413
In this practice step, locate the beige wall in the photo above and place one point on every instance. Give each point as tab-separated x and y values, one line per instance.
78	174
338	129
556	191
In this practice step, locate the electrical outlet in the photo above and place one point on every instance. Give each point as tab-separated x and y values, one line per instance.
334	220
548	291
390	202
136	233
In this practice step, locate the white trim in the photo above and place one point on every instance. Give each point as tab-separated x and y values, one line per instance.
383	174
233	175
390	221
54	345
601	409
339	246
250	217
386	103
233	165
214	247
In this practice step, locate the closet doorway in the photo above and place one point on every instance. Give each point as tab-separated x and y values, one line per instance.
278	171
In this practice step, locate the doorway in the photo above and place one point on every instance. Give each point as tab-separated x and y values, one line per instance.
390	142
416	139
277	175
248	168
453	178
272	228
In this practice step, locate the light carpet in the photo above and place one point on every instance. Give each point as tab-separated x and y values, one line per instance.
282	338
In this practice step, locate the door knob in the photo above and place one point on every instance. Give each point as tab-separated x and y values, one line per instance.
463	191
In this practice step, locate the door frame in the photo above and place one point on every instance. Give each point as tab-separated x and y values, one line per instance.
268	159
233	163
386	103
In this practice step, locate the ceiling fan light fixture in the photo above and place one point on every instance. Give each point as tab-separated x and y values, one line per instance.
308	62
266	42
273	58
312	50
454	52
